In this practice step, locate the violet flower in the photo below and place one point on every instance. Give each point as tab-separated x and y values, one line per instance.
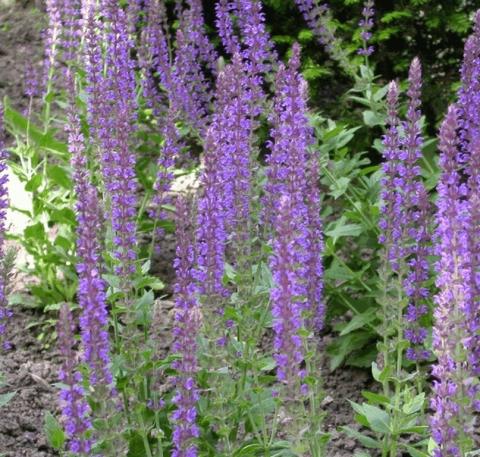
452	419
211	235
153	55
169	153
5	312
224	10
416	210
404	198
91	288
314	270
75	410
287	307
187	322
118	159
233	124
366	25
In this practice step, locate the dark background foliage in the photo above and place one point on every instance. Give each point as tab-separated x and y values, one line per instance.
433	30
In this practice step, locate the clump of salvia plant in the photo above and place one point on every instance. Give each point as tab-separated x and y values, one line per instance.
242	376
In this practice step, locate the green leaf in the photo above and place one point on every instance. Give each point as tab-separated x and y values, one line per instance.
35	232
5	398
372	119
378	419
136	448
361	438
60	176
359	321
339	229
415	452
54	433
414	405
34	183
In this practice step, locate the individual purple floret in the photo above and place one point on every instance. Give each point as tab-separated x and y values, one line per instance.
75	410
287	304
366	25
187	322
5	312
118	159
452	420
91	288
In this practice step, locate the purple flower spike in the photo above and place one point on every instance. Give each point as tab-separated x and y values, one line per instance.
211	236
224	10
118	125
287	307
91	289
166	162
314	273
404	198
187	322
5	312
452	419
75	410
417	211
366	25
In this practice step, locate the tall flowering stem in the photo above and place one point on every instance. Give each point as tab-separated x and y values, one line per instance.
317	16
287	307
169	153
118	158
92	288
417	212
406	213
452	420
75	410
154	58
187	322
5	312
211	236
366	25
233	123
469	121
292	174
253	44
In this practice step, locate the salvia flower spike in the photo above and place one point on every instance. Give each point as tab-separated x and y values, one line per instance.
5	312
187	322
287	308
366	25
92	288
452	420
75	410
417	212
